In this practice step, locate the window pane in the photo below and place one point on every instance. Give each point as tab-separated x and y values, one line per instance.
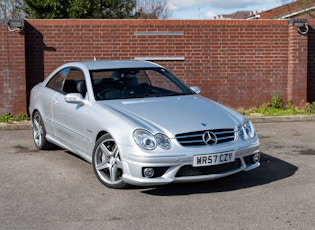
74	81
135	83
56	82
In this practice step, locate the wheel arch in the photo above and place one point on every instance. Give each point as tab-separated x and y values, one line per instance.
33	112
100	133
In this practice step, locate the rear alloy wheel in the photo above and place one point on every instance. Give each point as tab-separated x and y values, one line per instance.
107	163
39	133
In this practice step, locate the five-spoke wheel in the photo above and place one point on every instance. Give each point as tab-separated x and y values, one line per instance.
107	163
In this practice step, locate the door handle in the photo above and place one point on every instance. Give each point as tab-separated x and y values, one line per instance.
55	100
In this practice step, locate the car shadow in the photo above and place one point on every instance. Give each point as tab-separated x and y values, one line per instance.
271	169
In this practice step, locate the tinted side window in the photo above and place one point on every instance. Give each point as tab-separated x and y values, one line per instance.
75	74
74	77
75	82
56	82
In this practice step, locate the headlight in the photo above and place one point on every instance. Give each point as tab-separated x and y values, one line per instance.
246	130
148	141
163	141
242	132
249	128
144	139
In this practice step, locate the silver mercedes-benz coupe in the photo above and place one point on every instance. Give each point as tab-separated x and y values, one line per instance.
138	124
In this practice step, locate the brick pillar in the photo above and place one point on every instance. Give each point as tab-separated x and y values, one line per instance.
297	66
12	71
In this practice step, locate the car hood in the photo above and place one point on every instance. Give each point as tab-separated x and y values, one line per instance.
176	114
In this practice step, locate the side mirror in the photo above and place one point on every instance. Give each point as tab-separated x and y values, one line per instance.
75	98
196	89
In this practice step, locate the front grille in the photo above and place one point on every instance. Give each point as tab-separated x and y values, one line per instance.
189	170
196	138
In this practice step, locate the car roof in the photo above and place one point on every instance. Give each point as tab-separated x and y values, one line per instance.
117	64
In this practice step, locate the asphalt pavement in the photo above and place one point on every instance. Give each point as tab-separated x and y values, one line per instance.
57	190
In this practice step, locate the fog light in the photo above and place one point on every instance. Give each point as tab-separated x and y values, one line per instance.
148	172
256	157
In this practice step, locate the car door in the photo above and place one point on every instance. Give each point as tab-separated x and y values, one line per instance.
70	119
54	87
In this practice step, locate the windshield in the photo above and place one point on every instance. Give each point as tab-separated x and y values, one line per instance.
136	83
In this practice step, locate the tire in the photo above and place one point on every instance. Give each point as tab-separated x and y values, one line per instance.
107	163
39	133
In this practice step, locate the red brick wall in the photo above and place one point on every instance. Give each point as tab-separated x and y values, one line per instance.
297	67
12	71
311	62
240	63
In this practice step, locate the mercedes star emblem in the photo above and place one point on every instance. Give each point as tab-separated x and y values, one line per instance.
209	138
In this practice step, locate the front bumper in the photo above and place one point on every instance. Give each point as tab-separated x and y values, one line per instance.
178	167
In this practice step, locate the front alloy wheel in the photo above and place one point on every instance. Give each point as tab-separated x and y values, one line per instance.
107	163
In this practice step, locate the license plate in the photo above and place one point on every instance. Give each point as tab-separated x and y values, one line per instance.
213	159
